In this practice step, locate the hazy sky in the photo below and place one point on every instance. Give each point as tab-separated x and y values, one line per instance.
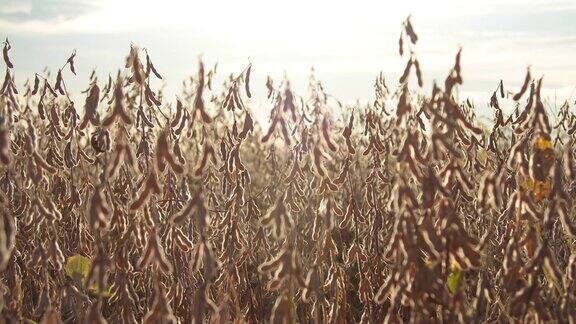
347	42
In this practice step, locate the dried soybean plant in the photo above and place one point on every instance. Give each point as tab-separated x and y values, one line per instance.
137	207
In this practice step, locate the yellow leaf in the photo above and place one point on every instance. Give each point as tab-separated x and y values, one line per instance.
77	267
28	321
528	184
453	281
105	293
542	144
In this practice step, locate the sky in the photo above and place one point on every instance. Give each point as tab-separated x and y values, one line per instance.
347	42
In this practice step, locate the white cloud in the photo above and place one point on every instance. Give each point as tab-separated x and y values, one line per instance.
261	18
12	8
341	38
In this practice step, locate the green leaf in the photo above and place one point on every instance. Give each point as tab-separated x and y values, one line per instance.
453	281
77	267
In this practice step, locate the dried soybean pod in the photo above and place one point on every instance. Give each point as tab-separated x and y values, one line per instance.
524	86
178	115
410	31
68	157
248	126
71	62
151	186
247	81
401	43
270	130
406	72
58	85
36	85
7	47
326	134
208	152
151	67
418	73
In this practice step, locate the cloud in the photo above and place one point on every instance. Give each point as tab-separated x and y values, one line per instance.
15	8
44	10
348	42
